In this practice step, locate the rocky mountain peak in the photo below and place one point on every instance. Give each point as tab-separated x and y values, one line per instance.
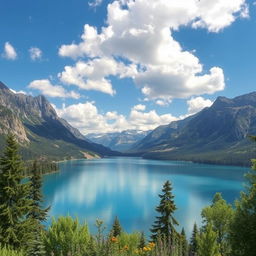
3	86
218	134
39	129
245	100
45	108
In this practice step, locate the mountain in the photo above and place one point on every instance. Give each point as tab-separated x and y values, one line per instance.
218	134
120	141
40	131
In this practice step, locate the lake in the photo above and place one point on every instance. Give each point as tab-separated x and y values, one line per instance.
129	188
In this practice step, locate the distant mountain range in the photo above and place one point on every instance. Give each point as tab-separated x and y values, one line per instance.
120	141
218	134
39	130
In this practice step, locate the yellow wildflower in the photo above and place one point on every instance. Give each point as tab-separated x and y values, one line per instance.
114	239
126	247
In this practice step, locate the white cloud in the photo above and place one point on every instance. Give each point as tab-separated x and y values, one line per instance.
140	33
163	102
93	75
216	15
139	107
35	53
197	104
46	88
95	3
17	92
245	13
86	117
9	52
148	120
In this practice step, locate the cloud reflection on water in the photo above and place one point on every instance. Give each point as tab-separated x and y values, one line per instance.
129	188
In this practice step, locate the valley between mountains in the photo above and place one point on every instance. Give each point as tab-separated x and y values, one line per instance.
216	135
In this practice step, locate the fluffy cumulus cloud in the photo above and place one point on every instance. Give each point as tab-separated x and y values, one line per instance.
86	117
35	53
9	52
197	104
92	75
139	107
137	42
47	88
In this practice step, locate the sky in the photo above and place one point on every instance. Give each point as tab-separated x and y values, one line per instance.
109	66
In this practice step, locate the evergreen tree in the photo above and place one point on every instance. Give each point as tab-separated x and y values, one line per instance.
142	242
183	243
163	226
116	228
193	246
14	202
207	242
220	215
36	214
243	228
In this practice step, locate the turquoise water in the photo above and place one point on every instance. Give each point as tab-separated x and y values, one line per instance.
129	188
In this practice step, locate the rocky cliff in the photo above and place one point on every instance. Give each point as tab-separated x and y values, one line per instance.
39	130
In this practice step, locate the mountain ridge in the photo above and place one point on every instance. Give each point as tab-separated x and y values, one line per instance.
217	134
120	141
35	123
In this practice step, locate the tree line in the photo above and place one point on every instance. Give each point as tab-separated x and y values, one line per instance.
43	166
225	231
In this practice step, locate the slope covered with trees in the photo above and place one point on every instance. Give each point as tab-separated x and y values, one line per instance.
218	134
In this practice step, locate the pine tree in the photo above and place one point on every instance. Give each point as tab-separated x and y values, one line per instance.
142	242
36	214
207	242
243	228
183	243
14	202
163	226
193	246
116	228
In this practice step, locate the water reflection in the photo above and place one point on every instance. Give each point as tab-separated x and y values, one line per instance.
129	188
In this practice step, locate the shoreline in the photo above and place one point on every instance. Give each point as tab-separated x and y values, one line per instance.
87	156
155	159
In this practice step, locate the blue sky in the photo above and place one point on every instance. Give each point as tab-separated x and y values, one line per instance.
135	65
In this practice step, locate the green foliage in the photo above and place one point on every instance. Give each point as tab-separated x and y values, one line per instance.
207	242
66	236
44	166
142	242
36	247
164	224
116	228
220	215
193	246
183	244
5	251
14	202
129	240
36	214
243	231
